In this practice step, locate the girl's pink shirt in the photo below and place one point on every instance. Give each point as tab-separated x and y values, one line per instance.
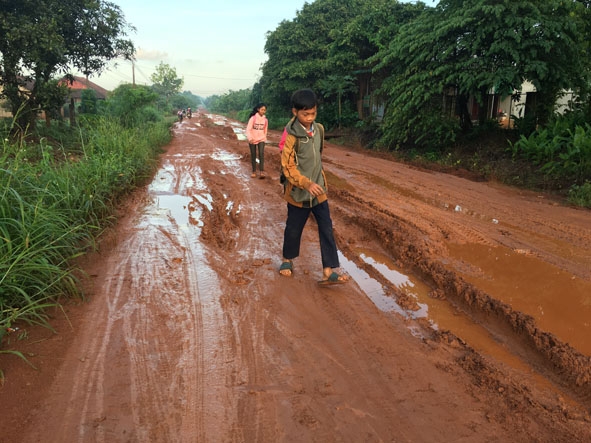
256	129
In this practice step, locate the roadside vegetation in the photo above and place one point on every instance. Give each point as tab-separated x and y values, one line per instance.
59	188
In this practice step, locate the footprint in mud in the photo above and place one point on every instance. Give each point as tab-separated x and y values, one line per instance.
260	262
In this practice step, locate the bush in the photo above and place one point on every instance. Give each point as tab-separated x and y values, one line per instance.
430	131
580	195
561	151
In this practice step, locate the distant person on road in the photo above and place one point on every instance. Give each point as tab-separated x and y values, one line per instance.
256	134
305	188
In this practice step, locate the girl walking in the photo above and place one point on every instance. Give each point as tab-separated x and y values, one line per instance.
256	134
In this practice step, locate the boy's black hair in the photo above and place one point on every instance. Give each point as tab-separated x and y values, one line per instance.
304	99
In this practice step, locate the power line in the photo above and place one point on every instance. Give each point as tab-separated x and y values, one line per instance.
220	78
141	72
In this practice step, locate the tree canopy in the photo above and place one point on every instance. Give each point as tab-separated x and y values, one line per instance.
299	50
410	56
166	82
41	39
478	46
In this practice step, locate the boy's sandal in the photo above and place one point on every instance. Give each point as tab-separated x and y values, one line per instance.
286	269
253	175
262	175
334	279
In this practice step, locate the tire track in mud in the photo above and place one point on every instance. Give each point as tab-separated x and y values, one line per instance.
214	409
154	388
161	318
240	255
241	250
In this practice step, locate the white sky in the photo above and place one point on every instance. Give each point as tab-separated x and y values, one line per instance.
215	45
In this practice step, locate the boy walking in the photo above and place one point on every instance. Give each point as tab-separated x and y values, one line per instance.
305	188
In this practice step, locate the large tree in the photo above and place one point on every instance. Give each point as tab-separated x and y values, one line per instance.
471	47
166	83
299	50
42	39
328	43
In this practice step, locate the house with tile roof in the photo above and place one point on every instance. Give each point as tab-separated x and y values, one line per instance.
75	86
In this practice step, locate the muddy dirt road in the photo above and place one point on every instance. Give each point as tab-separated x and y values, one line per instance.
466	320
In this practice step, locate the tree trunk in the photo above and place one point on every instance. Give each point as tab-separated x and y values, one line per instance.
462	112
545	105
483	108
72	109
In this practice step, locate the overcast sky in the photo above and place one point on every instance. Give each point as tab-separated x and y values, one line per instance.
215	45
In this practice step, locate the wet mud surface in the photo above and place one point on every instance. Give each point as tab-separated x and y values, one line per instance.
466	320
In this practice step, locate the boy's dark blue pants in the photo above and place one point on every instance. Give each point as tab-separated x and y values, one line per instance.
296	220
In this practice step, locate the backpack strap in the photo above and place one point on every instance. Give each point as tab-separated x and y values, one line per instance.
321	130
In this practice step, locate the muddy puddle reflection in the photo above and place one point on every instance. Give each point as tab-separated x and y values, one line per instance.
559	301
439	313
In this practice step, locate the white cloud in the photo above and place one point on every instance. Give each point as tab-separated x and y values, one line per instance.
142	54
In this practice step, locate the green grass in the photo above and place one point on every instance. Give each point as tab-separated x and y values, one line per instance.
580	195
55	200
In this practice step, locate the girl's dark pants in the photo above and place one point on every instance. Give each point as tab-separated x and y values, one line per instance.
296	220
253	156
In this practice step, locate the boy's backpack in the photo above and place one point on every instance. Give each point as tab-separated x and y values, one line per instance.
282	178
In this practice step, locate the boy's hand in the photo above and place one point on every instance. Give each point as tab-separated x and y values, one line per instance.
315	189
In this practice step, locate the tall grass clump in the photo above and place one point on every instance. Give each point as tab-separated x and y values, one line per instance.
55	200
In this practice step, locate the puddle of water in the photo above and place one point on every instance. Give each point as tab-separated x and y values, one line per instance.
439	313
226	157
240	135
372	288
178	208
415	289
559	301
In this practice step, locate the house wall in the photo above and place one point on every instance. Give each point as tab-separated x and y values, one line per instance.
4	108
505	108
3	112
